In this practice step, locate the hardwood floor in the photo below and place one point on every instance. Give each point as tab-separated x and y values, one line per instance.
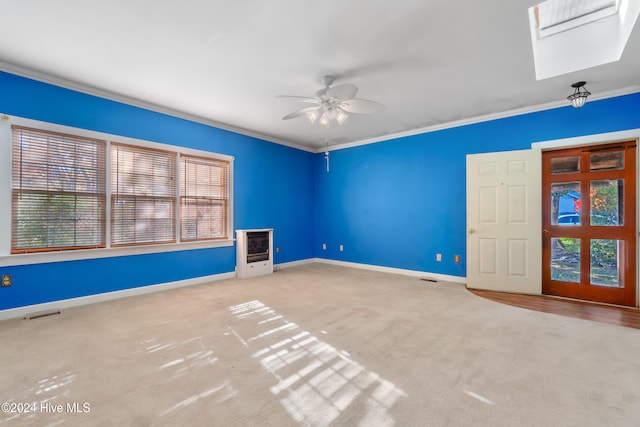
623	316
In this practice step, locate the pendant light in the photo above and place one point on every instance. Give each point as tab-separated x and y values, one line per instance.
579	96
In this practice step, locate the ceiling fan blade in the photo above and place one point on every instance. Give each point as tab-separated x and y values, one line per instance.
342	92
301	99
300	112
321	92
362	106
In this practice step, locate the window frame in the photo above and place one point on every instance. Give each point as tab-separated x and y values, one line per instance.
185	197
8	259
135	194
37	186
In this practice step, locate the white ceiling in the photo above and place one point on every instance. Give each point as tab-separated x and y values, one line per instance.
431	62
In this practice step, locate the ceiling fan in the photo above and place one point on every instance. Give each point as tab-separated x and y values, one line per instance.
333	103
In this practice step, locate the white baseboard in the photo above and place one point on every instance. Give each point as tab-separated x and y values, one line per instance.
290	264
401	271
107	296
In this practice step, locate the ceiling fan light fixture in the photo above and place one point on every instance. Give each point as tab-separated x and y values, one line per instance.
312	115
331	113
341	117
324	120
332	103
579	95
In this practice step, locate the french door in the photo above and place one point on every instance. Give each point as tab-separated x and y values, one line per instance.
589	223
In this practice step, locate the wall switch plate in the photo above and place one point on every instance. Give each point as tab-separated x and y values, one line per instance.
438	257
456	259
277	249
324	246
341	248
6	281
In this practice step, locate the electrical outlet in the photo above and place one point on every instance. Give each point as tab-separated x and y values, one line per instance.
456	259
324	246
341	248
6	281
438	257
277	249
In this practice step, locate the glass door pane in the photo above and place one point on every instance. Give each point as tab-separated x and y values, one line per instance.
605	262
606	202
565	203
565	259
565	164
607	160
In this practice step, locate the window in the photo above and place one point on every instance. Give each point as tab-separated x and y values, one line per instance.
143	202
85	192
553	16
203	198
58	191
574	35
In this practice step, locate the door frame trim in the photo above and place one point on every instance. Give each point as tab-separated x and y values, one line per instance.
605	138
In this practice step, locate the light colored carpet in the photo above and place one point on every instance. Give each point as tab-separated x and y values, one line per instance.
318	345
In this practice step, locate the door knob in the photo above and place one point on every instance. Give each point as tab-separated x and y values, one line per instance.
471	231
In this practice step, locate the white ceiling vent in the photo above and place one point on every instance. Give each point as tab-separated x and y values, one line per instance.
554	16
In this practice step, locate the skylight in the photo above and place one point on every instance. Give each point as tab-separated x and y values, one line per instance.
553	16
573	35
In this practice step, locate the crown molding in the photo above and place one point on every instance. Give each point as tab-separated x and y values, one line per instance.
135	102
479	119
117	97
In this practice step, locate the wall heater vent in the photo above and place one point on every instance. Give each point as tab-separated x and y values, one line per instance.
254	252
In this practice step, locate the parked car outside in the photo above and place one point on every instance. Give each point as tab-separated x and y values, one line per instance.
573	218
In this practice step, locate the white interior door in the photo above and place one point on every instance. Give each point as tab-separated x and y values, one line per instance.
504	245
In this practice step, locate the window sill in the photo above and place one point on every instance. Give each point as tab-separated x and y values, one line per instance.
75	255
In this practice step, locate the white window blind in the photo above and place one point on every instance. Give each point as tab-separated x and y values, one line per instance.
143	195
58	191
87	191
204	194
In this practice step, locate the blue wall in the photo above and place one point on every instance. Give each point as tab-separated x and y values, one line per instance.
395	203
273	188
400	202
